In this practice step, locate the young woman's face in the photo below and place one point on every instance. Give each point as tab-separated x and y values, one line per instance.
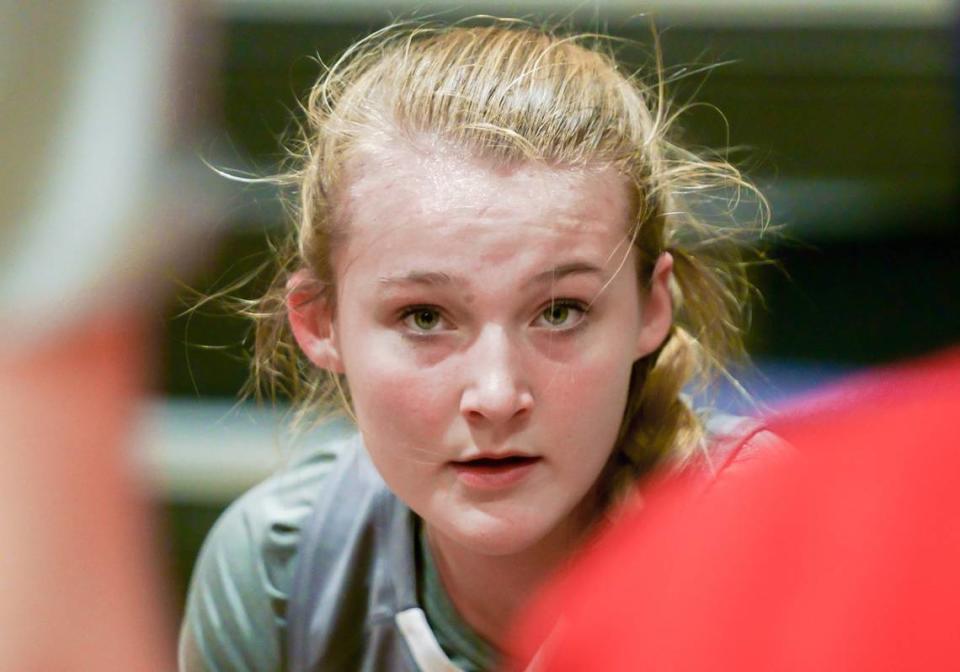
487	320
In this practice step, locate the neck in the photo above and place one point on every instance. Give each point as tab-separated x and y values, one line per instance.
488	591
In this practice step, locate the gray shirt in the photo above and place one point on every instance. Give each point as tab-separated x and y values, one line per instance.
236	617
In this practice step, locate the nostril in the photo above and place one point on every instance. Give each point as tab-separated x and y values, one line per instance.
495	404
525	403
476	416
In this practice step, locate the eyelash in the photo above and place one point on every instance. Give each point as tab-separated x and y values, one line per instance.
579	306
410	311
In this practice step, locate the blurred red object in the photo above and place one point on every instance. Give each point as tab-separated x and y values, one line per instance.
844	557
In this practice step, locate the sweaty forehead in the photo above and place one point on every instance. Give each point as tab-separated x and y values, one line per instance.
390	184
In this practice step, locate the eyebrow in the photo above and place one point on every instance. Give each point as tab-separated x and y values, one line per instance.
563	270
420	278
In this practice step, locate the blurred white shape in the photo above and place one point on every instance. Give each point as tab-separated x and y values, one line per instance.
203	451
85	233
211	451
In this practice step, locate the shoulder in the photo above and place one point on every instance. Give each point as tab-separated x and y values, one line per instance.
734	442
236	607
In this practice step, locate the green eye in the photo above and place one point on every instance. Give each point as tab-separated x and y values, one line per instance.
557	314
423	319
562	315
426	319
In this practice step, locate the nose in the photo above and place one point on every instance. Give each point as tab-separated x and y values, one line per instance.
495	389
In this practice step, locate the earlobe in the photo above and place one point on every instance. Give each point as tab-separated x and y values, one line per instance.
310	316
656	315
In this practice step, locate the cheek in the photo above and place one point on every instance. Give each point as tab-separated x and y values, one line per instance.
587	400
403	416
394	396
401	401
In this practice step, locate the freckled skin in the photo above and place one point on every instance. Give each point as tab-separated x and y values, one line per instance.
492	374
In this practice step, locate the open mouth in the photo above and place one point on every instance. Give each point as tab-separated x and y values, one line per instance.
498	462
495	472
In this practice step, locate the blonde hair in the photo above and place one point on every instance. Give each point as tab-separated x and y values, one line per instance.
514	93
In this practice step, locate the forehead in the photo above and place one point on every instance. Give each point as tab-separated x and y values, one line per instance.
410	201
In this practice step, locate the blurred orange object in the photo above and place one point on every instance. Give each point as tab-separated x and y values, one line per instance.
77	575
843	558
100	103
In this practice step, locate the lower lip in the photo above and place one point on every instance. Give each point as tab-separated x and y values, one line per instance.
493	477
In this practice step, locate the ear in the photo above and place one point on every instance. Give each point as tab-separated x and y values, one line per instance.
311	321
656	312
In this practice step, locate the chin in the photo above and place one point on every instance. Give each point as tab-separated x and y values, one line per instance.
494	534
